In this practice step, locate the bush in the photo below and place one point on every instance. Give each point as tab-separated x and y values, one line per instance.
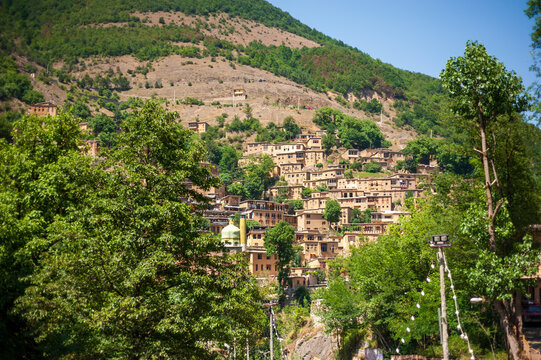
372	167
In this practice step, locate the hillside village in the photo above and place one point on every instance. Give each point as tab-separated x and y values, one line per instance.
302	164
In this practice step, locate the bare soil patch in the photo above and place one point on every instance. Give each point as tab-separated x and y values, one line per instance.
224	27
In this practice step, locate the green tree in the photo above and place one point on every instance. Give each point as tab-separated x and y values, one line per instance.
291	128
120	267
229	161
306	192
340	311
360	134
422	149
254	186
237	188
485	97
332	211
328	141
372	167
279	240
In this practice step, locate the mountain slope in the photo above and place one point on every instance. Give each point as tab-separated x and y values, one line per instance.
47	31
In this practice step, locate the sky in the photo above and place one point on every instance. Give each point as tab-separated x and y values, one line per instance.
421	35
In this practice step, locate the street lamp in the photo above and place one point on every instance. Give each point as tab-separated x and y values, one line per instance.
440	242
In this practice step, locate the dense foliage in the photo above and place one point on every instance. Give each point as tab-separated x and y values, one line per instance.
353	133
101	258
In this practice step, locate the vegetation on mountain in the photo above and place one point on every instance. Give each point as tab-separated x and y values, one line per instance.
73	35
353	133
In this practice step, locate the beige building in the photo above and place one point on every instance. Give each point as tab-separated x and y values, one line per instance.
43	109
260	264
314	157
267	213
388	217
198	126
91	147
387	156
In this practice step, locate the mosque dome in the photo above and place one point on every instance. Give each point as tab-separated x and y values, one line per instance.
231	233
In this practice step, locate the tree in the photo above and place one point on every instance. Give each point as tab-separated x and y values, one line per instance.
332	211
120	267
340	308
306	192
534	11
229	161
421	149
372	167
360	134
328	141
237	188
254	186
291	128
485	97
279	240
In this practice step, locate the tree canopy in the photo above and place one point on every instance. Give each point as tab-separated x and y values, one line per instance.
114	264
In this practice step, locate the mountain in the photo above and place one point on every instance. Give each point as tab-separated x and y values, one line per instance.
242	32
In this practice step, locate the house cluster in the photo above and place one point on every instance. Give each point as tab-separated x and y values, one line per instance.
300	165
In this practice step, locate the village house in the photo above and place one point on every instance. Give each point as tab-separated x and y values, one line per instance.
387	156
255	236
230	202
267	213
286	168
314	157
301	276
292	192
326	174
91	147
387	216
330	183
43	109
198	127
296	178
262	265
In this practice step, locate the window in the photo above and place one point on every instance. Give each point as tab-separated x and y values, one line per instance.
256	267
268	257
323	247
259	257
268	267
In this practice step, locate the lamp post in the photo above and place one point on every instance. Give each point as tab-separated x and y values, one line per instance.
440	242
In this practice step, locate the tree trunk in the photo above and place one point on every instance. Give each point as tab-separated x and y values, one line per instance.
511	331
488	186
505	308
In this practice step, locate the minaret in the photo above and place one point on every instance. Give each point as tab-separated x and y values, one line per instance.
242	226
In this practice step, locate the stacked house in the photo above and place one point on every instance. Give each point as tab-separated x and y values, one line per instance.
300	165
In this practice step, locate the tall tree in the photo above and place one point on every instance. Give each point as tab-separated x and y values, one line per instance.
279	240
486	98
332	211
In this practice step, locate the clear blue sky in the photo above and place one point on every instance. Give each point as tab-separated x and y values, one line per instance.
421	35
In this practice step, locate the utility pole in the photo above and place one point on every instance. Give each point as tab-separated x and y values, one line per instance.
440	242
444	334
270	329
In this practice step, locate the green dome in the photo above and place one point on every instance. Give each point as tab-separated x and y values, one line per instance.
230	232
